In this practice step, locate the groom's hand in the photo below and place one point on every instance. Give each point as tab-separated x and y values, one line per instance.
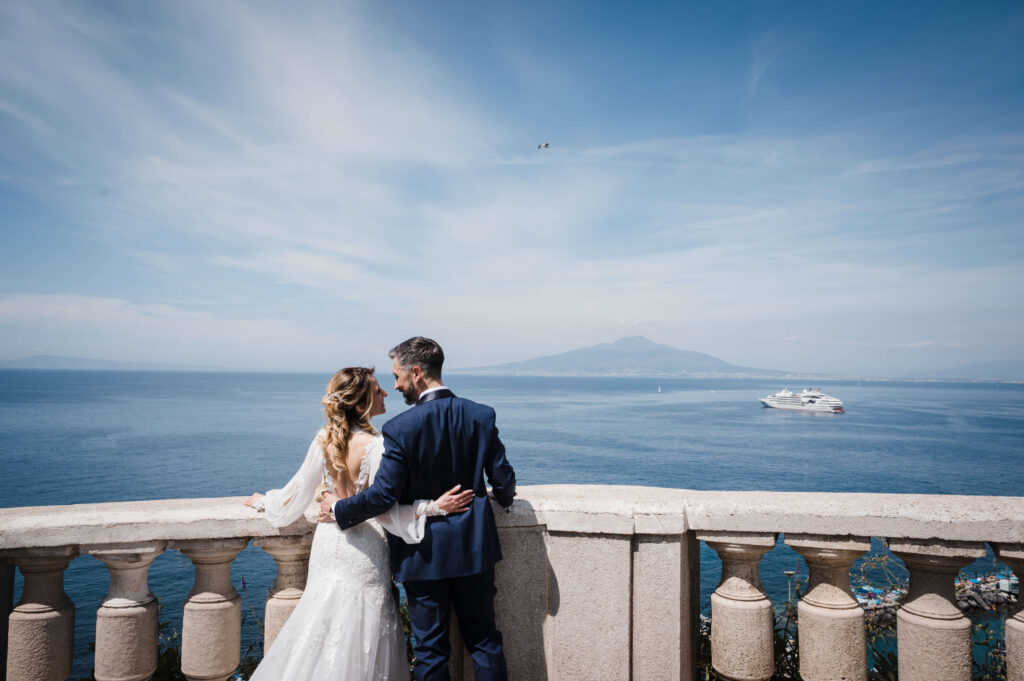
490	495
326	506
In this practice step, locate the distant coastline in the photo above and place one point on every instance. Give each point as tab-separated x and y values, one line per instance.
61	363
639	357
630	357
792	378
497	371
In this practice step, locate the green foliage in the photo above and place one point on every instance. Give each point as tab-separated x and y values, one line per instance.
704	670
403	613
168	661
785	635
879	569
252	655
989	654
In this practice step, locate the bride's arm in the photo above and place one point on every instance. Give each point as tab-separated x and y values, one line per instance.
284	506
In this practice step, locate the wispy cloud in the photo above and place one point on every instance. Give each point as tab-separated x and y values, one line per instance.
296	167
766	50
927	344
140	332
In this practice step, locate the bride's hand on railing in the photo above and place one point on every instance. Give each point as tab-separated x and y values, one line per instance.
255	501
454	501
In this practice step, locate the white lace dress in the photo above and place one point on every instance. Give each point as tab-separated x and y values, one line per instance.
346	625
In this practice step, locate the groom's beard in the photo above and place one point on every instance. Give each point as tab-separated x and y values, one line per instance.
410	395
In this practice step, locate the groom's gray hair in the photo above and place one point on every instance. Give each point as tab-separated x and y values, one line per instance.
421	352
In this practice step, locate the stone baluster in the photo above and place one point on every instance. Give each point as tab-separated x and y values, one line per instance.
6	605
41	628
127	622
832	639
741	613
211	637
1013	555
934	637
292	557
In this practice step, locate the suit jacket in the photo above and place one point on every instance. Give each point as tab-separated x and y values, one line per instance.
441	442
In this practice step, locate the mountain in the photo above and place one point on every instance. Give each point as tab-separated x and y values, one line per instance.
632	356
994	370
86	364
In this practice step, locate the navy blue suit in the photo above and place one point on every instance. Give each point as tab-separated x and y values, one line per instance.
441	442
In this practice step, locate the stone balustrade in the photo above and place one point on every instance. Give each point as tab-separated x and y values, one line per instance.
126	622
1013	555
598	582
741	613
832	637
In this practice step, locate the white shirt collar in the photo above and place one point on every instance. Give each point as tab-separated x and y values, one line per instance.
431	390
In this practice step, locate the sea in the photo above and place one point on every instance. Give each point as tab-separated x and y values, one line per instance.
69	437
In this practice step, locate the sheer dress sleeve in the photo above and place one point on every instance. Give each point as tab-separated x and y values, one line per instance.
284	506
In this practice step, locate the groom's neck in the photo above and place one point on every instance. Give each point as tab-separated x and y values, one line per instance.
423	384
431	383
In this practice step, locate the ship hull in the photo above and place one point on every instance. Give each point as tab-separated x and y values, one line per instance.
820	408
812	400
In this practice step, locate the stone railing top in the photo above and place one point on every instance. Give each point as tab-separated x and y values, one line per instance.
601	509
127	522
653	510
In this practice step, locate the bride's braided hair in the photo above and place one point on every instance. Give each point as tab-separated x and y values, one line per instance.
347	403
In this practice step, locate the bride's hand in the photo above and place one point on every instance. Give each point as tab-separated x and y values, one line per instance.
255	501
454	501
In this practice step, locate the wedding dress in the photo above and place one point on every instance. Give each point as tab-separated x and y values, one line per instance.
345	626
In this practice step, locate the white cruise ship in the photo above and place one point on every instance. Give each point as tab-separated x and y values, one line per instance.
811	399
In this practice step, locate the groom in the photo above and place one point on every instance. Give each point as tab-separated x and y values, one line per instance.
442	442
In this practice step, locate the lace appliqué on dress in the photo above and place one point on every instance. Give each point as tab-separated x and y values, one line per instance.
363	479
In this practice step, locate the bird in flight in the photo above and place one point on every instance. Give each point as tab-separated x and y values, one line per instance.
546	145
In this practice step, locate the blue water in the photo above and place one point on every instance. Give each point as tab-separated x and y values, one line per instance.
78	437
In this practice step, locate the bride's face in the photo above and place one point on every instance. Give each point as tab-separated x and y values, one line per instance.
378	398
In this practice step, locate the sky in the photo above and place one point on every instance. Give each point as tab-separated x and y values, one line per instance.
827	187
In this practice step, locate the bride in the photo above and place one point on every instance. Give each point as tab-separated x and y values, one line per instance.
346	624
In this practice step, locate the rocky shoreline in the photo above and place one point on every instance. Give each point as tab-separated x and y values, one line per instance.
976	599
976	595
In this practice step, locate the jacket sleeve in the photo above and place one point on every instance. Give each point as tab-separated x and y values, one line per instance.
381	495
499	471
405	521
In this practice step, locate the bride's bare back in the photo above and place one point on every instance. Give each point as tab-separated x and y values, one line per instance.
345	481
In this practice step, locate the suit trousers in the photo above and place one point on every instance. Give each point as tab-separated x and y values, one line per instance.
430	606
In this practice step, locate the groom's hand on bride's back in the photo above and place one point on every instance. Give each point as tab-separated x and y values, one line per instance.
326	508
454	501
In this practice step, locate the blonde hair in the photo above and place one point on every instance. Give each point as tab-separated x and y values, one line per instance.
347	403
